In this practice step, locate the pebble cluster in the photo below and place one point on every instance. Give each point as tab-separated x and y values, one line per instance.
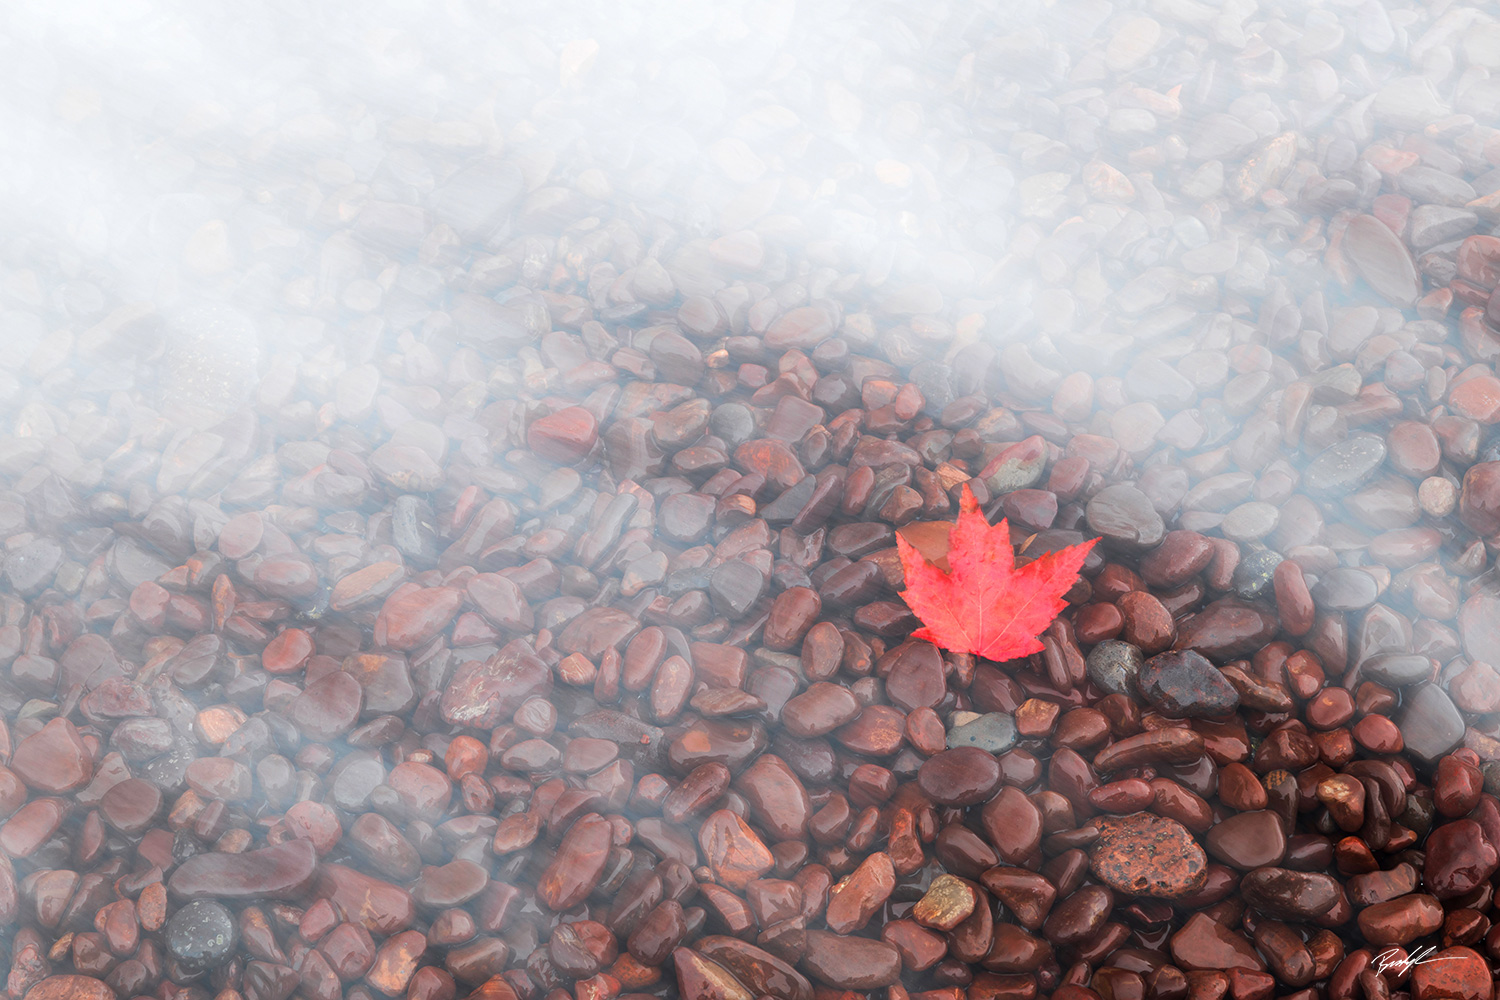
470	569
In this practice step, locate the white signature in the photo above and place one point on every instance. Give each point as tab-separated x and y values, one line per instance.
1394	958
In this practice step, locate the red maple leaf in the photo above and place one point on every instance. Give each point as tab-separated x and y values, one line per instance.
985	605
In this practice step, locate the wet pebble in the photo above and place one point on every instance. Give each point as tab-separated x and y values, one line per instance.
201	934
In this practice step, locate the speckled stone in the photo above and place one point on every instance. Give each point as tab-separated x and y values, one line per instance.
1253	574
1250	521
201	934
1147	855
1344	467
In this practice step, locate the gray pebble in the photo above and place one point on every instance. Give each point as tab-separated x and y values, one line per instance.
1430	724
1253	575
994	731
1250	522
1113	665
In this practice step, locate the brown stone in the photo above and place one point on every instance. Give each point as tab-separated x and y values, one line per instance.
70	988
733	850
1147	855
1205	943
1452	974
857	898
53	759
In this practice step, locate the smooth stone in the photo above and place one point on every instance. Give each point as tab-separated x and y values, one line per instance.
1400	921
31	566
1113	666
1382	260
1479	498
201	934
1430	724
1204	943
758	969
914	676
1479	627
1181	556
993	732
1342	468
1182	683
735	587
53	759
963	776
1250	522
851	963
859	897
453	884
31	826
1227	629
69	987
777	796
377	906
329	707
733	850
413	615
1458	859
702	979
1248	840
284	871
1397	669
565	436
1345	589
131	805
1289	895
1452	974
802	329
819	710
1125	516
485	693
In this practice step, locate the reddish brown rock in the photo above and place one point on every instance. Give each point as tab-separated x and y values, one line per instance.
396	961
857	898
756	968
413	615
1401	921
1459	859
575	869
1147	855
778	797
565	436
699	978
54	759
379	907
1452	974
484	693
31	826
70	988
734	851
1205	943
851	963
284	871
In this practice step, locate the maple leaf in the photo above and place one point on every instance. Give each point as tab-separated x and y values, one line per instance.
984	605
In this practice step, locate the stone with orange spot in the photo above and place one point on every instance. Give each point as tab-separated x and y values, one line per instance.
1147	855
